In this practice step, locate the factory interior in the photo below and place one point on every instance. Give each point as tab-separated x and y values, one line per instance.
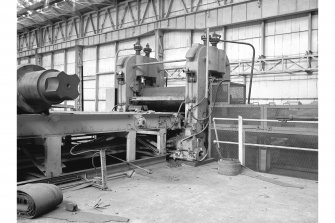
167	111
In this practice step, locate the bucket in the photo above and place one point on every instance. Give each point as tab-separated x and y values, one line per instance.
229	167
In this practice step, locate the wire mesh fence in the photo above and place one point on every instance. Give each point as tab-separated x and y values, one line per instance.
283	147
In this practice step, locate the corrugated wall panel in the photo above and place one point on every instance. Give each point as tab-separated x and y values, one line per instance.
128	44
89	95
58	58
89	69
89	106
196	37
249	34
102	106
175	54
70	61
286	37
315	41
177	39
315	33
106	58
46	61
32	60
284	86
24	60
105	82
89	61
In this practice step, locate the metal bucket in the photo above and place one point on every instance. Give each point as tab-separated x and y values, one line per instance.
229	167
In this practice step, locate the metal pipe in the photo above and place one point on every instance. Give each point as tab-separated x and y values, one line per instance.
265	120
81	87
174	68
282	147
103	169
268	146
207	61
241	138
217	138
160	62
252	62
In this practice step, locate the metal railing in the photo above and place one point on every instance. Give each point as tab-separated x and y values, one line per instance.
241	136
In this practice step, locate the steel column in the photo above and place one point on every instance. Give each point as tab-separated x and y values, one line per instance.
262	38
241	139
159	49
310	41
79	71
161	141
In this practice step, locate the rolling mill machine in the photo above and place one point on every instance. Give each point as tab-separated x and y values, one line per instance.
174	116
141	87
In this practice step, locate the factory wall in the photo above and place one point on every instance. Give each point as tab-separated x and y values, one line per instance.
283	37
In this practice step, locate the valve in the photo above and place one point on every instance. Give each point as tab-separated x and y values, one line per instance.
215	39
147	50
137	48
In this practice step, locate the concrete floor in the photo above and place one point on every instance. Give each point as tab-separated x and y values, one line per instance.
200	194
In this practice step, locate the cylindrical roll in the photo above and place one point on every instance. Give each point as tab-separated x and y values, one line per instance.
36	199
38	88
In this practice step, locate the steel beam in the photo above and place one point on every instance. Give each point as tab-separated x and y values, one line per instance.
68	123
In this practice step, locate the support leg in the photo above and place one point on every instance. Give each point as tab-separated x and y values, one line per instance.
103	169
131	145
161	141
53	158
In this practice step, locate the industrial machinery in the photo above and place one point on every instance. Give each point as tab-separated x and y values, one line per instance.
197	113
141	86
46	139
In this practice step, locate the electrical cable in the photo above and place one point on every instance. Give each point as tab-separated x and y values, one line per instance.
181	104
211	110
209	115
195	133
190	110
96	141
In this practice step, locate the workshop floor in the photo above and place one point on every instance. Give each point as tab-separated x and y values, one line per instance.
200	194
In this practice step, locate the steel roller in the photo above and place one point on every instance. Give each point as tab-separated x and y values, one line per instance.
38	88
